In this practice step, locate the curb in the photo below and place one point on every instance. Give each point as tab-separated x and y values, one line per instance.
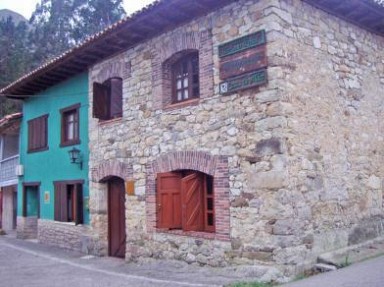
352	254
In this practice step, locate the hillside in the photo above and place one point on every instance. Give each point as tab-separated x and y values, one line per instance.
17	18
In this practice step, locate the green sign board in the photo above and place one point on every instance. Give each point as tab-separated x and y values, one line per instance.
244	62
243	43
246	81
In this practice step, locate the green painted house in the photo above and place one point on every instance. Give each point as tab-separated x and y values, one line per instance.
53	174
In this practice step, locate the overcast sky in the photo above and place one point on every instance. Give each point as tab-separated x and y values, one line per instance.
26	7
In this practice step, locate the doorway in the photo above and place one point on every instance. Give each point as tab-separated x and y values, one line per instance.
31	208
9	207
116	217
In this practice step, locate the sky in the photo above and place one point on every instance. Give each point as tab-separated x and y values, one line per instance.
26	7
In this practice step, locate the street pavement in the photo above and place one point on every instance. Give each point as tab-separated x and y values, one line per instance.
28	264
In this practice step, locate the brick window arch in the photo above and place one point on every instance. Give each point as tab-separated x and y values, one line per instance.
192	48
183	165
181	76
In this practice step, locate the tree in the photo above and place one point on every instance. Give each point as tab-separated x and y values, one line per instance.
14	58
56	26
92	16
61	24
52	29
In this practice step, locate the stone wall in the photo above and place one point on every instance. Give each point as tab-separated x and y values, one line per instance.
333	82
228	127
67	235
26	227
302	151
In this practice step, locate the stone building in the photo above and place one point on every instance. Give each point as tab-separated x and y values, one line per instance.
235	132
293	158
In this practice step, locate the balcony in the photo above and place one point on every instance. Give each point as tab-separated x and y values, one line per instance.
8	170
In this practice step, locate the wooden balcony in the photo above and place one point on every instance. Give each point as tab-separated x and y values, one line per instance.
8	170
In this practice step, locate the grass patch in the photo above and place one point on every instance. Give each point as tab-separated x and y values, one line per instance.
346	262
252	284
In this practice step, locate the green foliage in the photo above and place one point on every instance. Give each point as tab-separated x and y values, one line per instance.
55	26
346	262
92	16
14	59
61	24
51	33
13	50
252	284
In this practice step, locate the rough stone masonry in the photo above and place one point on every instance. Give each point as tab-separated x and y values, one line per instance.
300	158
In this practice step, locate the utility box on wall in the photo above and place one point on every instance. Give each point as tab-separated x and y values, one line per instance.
19	170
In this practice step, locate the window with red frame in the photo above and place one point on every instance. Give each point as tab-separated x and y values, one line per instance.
69	201
70	125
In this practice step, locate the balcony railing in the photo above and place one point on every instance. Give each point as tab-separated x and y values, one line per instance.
8	168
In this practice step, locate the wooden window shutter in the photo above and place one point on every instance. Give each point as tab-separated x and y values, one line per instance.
43	131
30	135
24	207
38	133
61	208
79	203
100	101
1	208
116	97
57	215
169	200
193	215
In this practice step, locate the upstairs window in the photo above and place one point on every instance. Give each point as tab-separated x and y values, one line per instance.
185	201
69	202
70	125
38	134
108	99
185	78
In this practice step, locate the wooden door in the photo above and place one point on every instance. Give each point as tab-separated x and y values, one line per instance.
1	208
14	208
116	217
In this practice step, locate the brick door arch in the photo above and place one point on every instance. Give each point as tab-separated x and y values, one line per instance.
111	168
216	166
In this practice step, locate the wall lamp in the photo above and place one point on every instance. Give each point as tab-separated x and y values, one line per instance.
75	157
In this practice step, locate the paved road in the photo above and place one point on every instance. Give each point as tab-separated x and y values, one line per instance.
26	264
369	273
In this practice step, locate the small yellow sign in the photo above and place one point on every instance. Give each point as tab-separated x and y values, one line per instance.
46	197
86	202
130	187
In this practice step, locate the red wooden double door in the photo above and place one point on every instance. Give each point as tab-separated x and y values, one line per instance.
116	217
